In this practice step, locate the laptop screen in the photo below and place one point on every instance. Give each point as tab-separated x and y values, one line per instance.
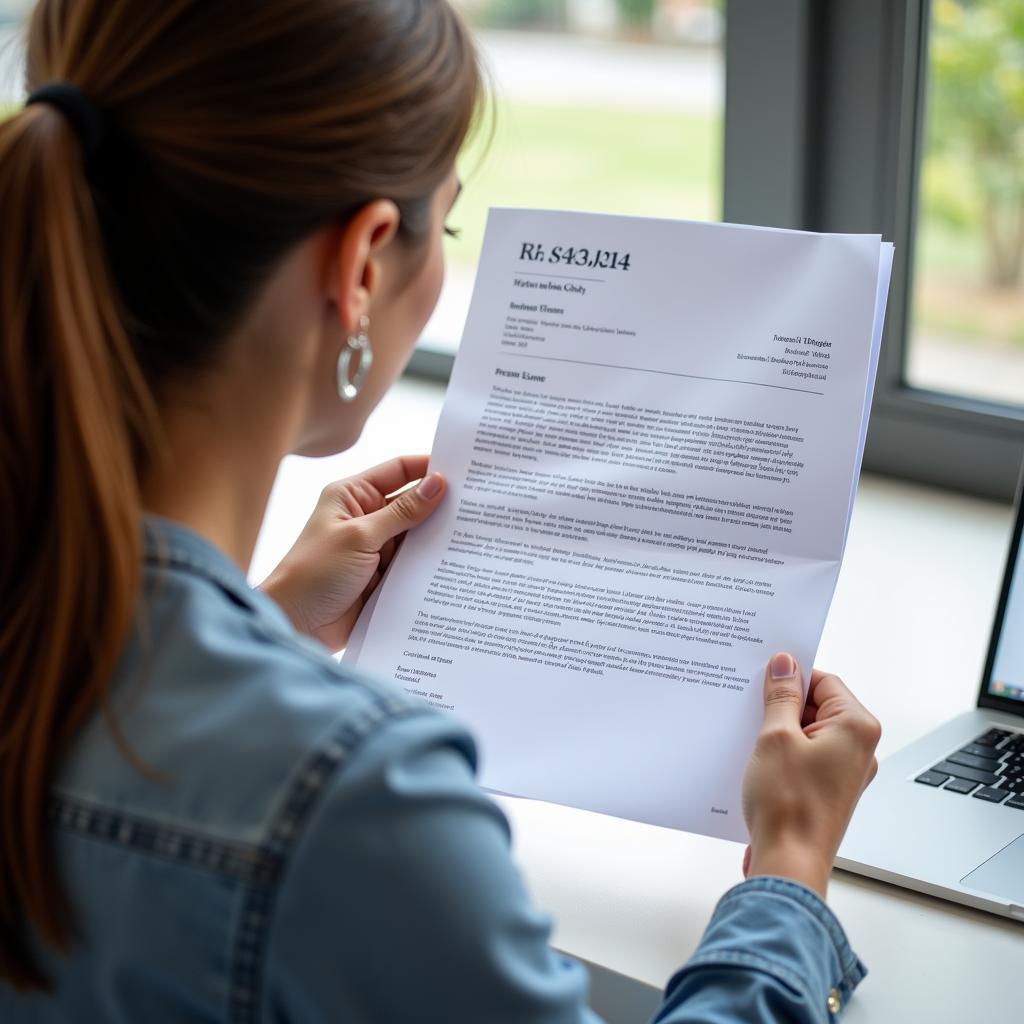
1006	678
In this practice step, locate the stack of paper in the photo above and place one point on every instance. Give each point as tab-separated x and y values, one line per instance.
652	438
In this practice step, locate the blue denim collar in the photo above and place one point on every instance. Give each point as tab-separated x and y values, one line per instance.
167	543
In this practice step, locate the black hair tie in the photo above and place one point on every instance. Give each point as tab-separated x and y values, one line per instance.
76	106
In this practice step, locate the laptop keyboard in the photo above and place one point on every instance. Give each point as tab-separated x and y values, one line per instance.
989	768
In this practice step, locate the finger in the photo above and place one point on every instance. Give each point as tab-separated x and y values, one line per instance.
832	696
783	692
394	474
839	709
810	714
387	552
746	862
409	509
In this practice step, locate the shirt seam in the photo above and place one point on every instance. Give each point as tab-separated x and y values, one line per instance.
243	862
250	942
257	867
170	546
850	968
185	562
768	966
267	629
262	625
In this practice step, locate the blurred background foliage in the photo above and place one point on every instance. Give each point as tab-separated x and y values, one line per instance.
970	270
634	18
976	129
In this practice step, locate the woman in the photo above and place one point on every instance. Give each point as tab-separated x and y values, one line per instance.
213	213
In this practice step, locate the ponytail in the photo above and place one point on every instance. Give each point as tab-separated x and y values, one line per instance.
76	417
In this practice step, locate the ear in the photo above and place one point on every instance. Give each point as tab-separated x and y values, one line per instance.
354	271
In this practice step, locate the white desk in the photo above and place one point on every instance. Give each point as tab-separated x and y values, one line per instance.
908	631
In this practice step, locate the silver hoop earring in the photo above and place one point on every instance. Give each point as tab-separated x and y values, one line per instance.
358	345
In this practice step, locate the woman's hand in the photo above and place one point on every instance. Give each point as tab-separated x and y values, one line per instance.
340	556
806	774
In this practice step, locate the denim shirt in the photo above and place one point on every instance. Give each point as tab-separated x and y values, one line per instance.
298	843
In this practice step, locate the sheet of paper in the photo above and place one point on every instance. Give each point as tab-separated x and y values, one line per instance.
652	437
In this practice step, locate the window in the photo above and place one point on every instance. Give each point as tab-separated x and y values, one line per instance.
607	105
941	415
967	333
826	129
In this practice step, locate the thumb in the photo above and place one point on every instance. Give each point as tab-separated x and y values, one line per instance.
783	693
409	509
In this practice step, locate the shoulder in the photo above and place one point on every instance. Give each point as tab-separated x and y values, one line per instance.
400	901
230	717
405	861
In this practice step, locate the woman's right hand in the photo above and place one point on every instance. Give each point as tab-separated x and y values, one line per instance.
806	774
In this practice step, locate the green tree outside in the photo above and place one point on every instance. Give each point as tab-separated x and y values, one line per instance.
521	14
976	123
552	13
636	12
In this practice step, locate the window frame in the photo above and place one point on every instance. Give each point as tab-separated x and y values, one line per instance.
860	117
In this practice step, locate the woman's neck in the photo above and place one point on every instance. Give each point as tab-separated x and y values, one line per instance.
222	457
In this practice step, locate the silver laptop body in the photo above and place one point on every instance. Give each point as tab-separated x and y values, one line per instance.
959	831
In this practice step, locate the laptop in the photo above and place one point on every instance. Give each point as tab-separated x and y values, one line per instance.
945	815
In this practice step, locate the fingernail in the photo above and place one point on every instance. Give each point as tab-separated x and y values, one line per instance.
430	486
783	666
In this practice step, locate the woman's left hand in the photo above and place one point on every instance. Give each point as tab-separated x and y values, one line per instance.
340	556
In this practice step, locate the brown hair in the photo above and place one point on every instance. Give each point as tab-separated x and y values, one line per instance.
233	130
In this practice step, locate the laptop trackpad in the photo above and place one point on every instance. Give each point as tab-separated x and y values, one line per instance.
1001	875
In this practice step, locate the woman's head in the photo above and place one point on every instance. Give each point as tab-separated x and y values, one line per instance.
235	130
258	161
